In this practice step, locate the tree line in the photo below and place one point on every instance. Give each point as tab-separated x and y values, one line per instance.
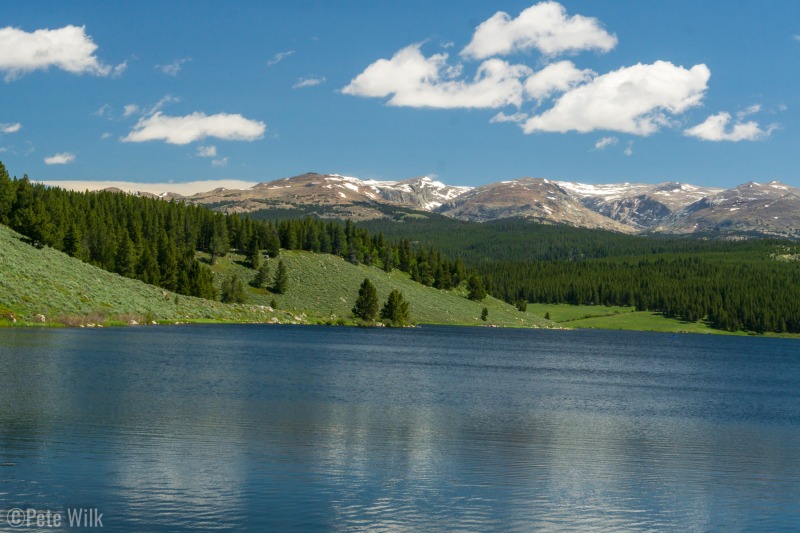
157	241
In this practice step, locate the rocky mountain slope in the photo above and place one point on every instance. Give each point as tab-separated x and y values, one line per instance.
767	208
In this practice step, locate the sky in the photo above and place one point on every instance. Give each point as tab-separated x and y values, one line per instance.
469	92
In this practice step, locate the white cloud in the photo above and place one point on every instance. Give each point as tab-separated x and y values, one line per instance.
604	142
544	26
280	56
117	71
62	158
308	82
716	128
629	149
634	99
103	111
556	77
207	151
130	109
222	162
134	109
106	135
185	188
752	110
10	128
502	117
67	48
195	127
413	80
172	69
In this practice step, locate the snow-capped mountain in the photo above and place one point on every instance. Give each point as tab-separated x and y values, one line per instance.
770	208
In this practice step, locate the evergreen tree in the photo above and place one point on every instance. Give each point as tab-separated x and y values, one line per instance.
8	193
281	283
262	276
125	259
254	253
485	314
273	245
366	306
522	305
233	290
220	244
72	242
395	310
475	287
147	267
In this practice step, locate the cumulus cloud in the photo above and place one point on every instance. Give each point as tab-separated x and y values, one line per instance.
308	82
604	142
544	26
172	69
207	151
413	80
62	158
67	48
195	127
635	100
280	56
10	128
555	78
718	128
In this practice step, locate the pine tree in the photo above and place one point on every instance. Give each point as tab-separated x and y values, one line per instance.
125	259
233	290
72	242
254	253
522	305
147	267
262	276
485	314
475	287
281	282
395	310
366	306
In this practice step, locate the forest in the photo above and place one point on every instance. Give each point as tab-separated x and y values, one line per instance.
748	284
156	241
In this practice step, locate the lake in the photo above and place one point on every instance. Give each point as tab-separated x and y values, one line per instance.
433	428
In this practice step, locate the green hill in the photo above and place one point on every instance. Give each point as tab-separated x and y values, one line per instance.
322	289
325	288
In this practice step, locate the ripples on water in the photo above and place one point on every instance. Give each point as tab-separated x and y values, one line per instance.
458	429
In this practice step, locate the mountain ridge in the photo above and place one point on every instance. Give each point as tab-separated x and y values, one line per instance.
771	208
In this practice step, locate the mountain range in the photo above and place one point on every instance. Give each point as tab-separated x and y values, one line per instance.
771	208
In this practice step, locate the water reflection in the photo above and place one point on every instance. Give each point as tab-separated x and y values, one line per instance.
439	428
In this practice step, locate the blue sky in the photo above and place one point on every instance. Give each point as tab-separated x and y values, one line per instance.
642	91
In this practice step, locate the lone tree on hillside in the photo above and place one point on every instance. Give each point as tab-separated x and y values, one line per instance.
475	287
281	283
262	276
395	310
254	253
485	314
366	307
233	290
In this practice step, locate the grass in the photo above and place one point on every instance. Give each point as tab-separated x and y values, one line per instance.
324	287
619	318
66	291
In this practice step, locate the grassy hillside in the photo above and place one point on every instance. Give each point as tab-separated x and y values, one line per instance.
618	317
67	291
324	287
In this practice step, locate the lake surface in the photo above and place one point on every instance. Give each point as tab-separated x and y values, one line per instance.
434	428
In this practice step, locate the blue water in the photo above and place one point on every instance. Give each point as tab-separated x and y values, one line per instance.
434	428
